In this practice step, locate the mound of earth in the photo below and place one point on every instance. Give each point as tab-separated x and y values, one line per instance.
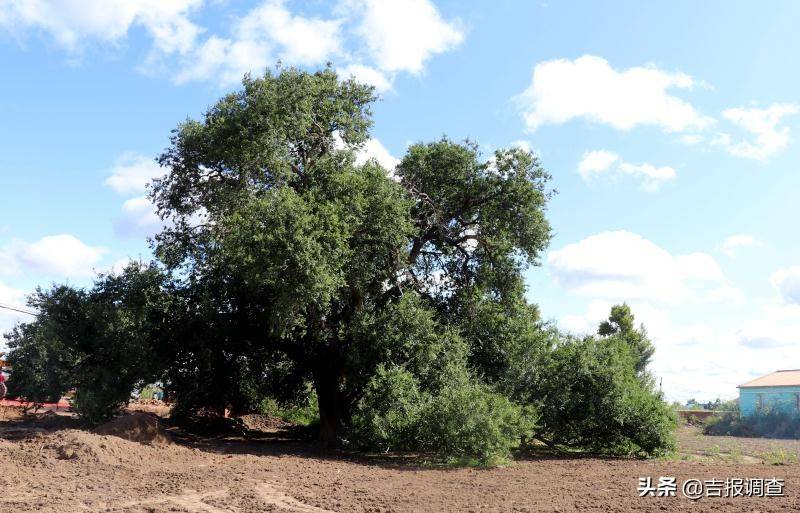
265	423
88	448
136	427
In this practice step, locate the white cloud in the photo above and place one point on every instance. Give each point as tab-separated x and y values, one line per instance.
300	40
776	326
373	149
139	218
700	352
692	139
599	162
732	244
131	173
62	256
12	297
623	266
367	75
596	162
373	40
523	145
652	177
770	137
265	34
787	281
401	36
589	88
71	23
598	310
697	360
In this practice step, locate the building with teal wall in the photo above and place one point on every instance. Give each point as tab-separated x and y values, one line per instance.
777	391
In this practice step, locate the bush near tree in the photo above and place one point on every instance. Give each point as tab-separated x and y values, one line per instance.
287	270
770	423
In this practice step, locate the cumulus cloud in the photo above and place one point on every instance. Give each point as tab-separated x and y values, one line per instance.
401	36
15	298
700	352
523	145
130	176
603	162
62	256
691	139
367	75
589	88
731	245
787	281
73	23
132	172
263	35
395	37
373	40
138	219
596	162
776	326
621	265
374	149
696	359
769	135
598	310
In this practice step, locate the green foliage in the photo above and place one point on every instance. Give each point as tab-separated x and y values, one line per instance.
716	405
150	391
620	324
301	413
771	423
97	341
464	420
469	421
398	297
41	352
302	262
591	397
388	416
777	455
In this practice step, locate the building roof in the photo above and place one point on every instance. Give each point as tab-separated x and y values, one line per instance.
781	378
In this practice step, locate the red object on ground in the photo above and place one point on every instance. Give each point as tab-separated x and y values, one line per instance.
61	405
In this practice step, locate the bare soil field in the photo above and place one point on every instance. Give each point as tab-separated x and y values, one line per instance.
48	465
693	442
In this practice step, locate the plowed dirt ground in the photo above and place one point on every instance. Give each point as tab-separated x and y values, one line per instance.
50	466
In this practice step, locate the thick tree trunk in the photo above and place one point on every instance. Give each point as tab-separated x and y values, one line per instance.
326	383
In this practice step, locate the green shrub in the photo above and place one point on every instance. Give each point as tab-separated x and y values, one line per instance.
591	398
98	341
470	422
465	422
388	416
303	413
772	423
95	405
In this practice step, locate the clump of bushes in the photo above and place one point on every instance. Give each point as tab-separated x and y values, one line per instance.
302	413
771	423
591	398
466	422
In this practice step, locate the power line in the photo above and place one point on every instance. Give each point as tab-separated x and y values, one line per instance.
15	309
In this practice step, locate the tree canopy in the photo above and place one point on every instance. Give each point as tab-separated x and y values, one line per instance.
395	297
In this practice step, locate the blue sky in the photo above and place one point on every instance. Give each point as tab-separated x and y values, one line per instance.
669	128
